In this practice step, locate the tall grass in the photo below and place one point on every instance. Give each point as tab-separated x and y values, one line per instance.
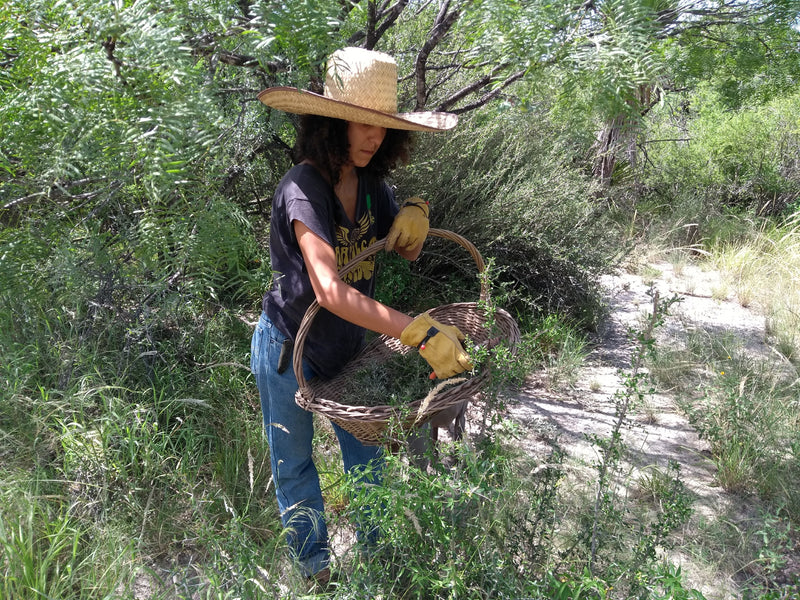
746	409
744	404
765	271
49	552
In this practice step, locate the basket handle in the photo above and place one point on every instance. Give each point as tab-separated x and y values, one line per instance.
313	309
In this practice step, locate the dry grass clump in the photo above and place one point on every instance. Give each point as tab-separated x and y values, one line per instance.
766	270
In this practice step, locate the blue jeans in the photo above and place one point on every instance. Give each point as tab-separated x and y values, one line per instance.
290	431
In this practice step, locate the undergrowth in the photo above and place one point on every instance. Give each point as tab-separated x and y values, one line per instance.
764	271
742	401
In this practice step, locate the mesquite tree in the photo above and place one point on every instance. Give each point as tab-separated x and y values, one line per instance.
631	53
167	87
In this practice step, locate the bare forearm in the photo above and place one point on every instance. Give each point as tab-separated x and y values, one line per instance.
409	254
339	298
351	305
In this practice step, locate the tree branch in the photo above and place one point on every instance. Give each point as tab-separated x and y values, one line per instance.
385	18
371	18
61	190
240	60
441	26
109	45
488	97
471	88
665	140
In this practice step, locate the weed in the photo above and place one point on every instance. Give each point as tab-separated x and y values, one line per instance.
720	292
673	505
478	530
48	552
561	349
649	274
671	500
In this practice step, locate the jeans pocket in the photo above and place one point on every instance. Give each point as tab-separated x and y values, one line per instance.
255	348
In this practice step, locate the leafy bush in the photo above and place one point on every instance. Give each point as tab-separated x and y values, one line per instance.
745	160
522	203
477	531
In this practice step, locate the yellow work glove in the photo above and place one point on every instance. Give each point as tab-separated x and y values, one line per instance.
439	344
410	225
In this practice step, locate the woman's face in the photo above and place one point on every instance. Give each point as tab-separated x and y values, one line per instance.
364	142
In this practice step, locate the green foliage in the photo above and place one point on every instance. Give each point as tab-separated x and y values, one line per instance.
743	160
560	348
617	58
306	30
208	245
674	503
746	410
99	105
753	63
482	529
668	584
520	203
83	305
748	418
639	573
395	282
49	552
135	172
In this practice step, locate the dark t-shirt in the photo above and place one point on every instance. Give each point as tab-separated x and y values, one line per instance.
304	195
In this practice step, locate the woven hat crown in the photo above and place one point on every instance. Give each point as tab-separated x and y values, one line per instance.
360	86
364	78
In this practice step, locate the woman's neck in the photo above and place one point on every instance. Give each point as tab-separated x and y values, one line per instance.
347	190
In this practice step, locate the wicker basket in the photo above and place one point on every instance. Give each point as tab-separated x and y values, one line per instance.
370	424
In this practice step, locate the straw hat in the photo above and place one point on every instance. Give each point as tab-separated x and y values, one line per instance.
360	86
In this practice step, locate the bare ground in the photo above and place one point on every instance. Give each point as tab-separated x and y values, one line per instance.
659	432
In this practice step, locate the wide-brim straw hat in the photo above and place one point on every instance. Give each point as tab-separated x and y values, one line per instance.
360	86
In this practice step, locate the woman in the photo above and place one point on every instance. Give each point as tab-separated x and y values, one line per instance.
326	209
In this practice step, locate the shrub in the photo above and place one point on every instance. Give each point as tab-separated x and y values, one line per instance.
478	531
745	160
522	203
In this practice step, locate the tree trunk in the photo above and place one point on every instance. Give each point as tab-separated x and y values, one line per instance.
619	135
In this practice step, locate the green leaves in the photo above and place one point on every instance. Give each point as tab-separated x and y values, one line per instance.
108	93
615	57
304	31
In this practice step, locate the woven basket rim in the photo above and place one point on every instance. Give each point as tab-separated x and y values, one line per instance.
462	390
313	309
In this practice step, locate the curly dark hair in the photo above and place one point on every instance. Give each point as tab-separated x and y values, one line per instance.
323	141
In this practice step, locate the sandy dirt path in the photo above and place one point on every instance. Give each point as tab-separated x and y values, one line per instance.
658	431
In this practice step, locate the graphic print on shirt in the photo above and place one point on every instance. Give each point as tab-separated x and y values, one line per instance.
349	242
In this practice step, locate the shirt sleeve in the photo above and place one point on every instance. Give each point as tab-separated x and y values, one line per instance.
307	199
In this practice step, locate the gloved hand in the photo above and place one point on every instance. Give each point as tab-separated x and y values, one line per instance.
410	225
439	344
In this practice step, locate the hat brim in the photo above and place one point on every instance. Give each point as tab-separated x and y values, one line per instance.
303	102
